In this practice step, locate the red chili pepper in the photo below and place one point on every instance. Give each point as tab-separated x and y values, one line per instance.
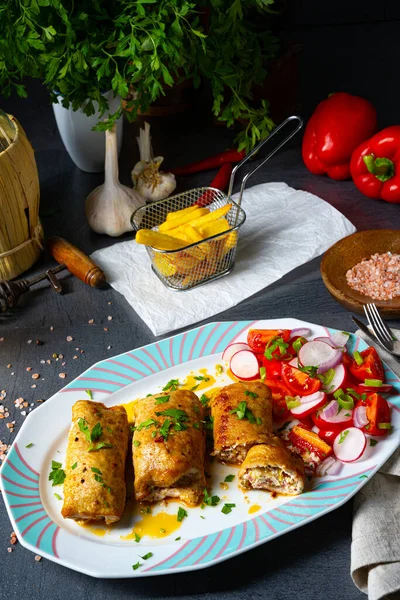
257	339
339	124
308	440
375	165
371	367
213	162
378	414
298	382
220	182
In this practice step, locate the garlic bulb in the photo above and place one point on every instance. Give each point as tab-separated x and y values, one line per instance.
110	206
151	183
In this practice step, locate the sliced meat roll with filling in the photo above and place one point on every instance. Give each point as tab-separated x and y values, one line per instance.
242	417
273	468
169	447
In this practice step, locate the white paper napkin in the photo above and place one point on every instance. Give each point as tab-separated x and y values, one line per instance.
284	229
375	549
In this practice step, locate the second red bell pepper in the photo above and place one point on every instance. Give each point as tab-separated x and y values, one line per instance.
375	165
339	124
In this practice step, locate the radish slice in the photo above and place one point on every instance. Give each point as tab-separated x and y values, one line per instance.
244	365
385	388
233	348
312	398
343	417
326	340
329	466
360	417
294	362
340	339
300	332
319	354
349	445
337	381
307	407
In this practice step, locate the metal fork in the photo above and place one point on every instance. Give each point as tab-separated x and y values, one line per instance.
382	332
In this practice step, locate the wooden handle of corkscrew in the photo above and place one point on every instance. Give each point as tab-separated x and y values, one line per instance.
76	261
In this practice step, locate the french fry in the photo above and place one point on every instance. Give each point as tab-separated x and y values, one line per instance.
213	228
182	213
191	236
181	220
158	240
211	216
164	264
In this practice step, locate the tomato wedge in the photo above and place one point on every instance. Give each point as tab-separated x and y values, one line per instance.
298	382
378	415
279	392
257	339
328	435
272	367
371	367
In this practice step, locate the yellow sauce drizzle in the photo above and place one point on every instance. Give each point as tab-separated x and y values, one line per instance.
254	508
98	530
190	381
129	407
155	526
231	375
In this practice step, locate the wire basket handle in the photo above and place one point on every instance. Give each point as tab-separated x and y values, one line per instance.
257	148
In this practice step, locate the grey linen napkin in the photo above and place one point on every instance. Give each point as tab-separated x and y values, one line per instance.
375	548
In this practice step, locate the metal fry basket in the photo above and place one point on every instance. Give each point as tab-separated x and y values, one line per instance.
205	260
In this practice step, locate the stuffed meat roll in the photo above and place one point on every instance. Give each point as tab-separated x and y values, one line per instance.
168	447
272	467
94	486
242	417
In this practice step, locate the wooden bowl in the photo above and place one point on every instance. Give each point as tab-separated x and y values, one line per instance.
350	251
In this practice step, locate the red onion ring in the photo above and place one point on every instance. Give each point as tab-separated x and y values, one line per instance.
360	417
300	332
330	410
329	466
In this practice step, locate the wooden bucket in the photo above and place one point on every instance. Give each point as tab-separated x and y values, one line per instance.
21	234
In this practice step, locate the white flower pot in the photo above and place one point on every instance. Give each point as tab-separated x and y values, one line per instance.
85	147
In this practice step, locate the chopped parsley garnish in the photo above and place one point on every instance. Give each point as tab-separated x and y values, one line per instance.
204	400
192	389
162	530
297	344
352	392
175	413
201	378
136	443
208	423
98	477
251	394
29	445
229	478
363	477
164	431
57	496
145	511
172	385
89	393
196	425
263	373
177	539
343	435
275	343
210	500
146	556
373	442
201	517
132	428
196	409
57	474
95	470
137	537
227	508
311	370
148	395
219	369
242	412
182	513
147	424
154	434
162	399
93	435
136	566
327	377
74	466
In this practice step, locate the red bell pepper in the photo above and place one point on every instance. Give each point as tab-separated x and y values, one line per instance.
375	165
339	124
308	441
378	415
370	368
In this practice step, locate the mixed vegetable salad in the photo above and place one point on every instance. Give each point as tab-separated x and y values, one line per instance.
327	403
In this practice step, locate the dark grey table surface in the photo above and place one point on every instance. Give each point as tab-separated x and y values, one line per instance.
313	561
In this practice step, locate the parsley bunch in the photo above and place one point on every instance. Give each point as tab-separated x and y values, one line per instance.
82	49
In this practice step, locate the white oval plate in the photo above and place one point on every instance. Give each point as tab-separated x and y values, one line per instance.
35	512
